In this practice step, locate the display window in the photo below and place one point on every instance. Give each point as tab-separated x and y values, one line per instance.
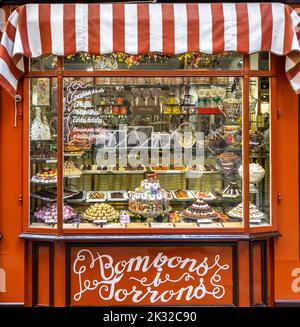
149	151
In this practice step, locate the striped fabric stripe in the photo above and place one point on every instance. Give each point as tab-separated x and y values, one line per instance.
63	29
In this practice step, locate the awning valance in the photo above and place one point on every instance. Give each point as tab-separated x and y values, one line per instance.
33	30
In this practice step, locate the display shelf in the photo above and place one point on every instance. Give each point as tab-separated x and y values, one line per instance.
74	155
158	114
158	172
43	184
47	160
143	225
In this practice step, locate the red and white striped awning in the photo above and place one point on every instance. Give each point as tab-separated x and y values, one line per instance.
62	29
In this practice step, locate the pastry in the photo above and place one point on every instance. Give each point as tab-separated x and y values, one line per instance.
223	217
181	194
42	154
71	170
49	212
101	211
161	167
175	217
204	195
228	157
254	213
97	196
46	176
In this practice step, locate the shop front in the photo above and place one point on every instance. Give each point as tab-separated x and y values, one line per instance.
149	154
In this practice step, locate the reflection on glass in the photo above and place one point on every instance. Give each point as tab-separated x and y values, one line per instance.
47	62
260	61
152	61
260	163
146	152
43	146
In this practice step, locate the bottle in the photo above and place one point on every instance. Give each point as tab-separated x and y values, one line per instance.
37	126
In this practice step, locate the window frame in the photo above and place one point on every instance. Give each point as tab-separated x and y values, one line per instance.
60	74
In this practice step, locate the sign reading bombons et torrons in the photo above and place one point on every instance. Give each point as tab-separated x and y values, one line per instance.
114	275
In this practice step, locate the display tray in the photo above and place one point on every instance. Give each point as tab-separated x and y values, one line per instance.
168	171
96	172
210	197
72	176
79	154
52	196
80	197
256	221
231	196
111	198
90	199
48	160
190	196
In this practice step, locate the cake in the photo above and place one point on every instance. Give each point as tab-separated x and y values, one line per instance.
254	213
232	190
117	195
149	199
200	210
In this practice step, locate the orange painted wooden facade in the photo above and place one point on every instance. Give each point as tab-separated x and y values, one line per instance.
38	265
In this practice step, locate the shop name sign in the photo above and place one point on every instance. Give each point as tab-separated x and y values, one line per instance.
160	278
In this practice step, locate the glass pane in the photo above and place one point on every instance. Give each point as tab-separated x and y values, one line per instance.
260	61
260	162
43	146
48	62
153	61
152	152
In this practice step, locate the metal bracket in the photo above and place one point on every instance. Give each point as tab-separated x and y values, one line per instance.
278	113
279	198
20	199
17	99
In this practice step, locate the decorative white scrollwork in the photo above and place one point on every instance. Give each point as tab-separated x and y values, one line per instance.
195	278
